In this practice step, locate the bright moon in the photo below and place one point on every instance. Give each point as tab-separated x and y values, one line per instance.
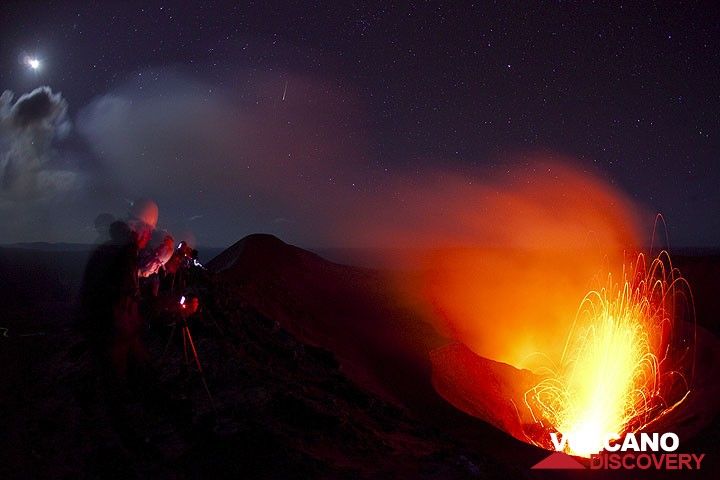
33	63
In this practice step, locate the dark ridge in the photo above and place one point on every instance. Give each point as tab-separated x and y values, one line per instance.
253	250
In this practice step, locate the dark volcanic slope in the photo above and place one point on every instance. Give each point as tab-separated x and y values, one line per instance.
351	311
345	309
299	401
283	409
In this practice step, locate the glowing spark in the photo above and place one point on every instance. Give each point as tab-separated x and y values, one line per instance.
285	91
619	371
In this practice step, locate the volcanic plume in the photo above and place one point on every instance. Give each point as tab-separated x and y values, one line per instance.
504	261
544	272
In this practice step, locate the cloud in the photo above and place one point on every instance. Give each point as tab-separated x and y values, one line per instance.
47	187
38	107
28	128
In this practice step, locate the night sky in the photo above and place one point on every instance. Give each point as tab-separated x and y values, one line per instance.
240	118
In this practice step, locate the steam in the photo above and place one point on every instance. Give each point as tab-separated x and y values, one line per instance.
238	161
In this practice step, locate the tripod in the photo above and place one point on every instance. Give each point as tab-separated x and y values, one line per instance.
189	348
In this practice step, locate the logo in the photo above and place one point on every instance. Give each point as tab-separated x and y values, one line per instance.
645	451
558	461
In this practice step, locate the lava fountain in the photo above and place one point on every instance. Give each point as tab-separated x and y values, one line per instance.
501	265
626	362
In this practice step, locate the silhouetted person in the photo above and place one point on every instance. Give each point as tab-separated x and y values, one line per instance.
109	298
112	324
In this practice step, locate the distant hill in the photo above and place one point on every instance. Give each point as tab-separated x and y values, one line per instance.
50	246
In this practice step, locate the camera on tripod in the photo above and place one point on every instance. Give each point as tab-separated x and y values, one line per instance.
189	306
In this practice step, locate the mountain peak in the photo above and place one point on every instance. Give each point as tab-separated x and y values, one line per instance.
255	250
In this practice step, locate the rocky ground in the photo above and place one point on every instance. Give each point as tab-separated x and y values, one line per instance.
282	409
282	405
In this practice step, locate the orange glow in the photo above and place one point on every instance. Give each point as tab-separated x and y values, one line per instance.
504	264
505	270
617	371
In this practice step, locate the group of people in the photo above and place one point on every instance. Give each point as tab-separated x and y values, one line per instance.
131	270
